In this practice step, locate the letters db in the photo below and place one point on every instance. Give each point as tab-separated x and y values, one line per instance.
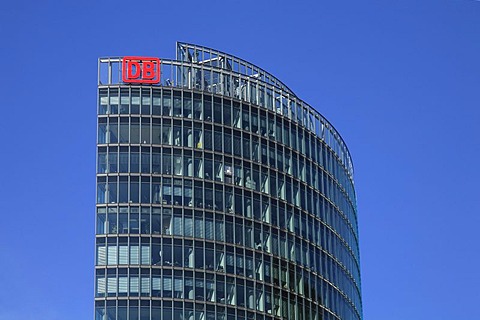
141	70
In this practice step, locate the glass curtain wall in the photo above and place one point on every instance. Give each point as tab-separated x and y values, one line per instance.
210	206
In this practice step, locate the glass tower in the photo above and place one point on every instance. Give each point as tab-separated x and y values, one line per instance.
220	195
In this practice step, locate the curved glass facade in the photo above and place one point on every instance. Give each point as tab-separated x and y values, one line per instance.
220	195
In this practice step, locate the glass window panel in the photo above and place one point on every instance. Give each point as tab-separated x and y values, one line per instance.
208	169
177	136
178	225
123	192
207	108
197	107
218	141
103	133
218	170
134	258
145	251
217	112
187	106
167	163
219	231
146	162
112	192
227	142
199	227
145	133
134	192
134	133
134	162
123	162
101	193
187	137
188	226
246	146
236	117
167	103
245	118
103	102
198	138
207	139
166	134
112	134
237	146
227	113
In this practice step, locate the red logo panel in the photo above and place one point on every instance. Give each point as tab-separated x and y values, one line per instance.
141	69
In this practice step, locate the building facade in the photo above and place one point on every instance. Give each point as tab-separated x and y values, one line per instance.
220	195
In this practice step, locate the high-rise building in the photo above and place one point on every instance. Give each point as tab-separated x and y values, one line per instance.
220	195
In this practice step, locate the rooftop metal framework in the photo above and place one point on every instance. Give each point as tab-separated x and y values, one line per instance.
211	57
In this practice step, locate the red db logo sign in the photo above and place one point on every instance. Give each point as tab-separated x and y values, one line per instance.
141	70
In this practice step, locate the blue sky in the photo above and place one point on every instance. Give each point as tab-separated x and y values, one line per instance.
400	80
